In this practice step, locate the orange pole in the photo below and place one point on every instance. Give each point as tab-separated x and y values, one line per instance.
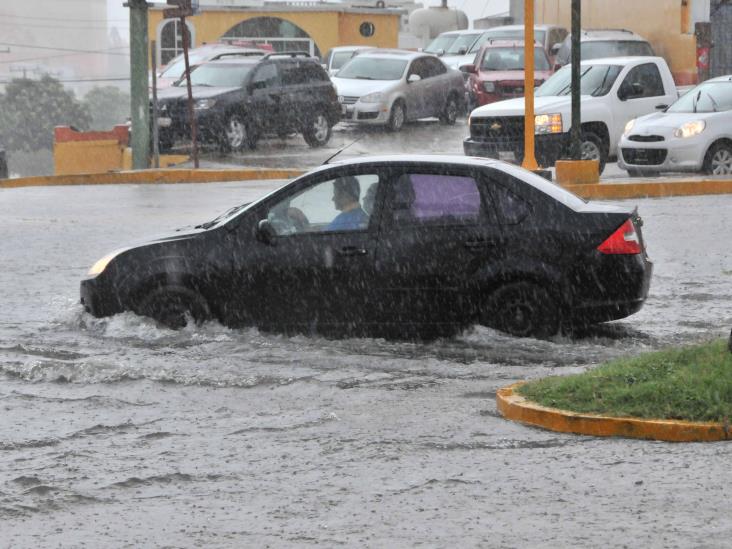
529	130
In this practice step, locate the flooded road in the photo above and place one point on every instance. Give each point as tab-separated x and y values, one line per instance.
117	433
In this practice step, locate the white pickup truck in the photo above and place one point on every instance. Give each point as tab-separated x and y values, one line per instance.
614	91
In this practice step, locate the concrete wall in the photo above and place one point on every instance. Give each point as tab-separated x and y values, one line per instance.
666	24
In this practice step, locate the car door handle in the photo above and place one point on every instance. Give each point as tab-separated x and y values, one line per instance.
350	251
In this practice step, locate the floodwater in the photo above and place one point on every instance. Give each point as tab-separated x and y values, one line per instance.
116	433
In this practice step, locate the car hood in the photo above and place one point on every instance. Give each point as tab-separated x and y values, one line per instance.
454	61
518	76
174	93
670	120
354	87
515	107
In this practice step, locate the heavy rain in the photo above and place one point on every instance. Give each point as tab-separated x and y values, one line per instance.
118	431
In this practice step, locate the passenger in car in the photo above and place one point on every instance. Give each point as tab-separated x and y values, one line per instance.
346	195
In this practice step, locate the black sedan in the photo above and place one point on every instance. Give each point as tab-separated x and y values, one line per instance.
403	246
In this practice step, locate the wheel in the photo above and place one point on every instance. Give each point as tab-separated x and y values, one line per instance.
594	148
397	117
165	142
236	133
718	160
449	114
522	309
318	130
171	306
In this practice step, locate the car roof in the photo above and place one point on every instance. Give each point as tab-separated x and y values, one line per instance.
725	78
462	31
620	60
521	27
351	48
504	42
437	159
590	35
243	60
385	52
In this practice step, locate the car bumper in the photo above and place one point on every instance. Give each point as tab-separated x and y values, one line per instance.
98	299
549	148
671	155
365	113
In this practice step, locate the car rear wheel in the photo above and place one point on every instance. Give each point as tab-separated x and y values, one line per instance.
450	112
594	148
522	309
397	117
318	131
173	306
718	160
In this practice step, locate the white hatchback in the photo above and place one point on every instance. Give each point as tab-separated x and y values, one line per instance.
694	134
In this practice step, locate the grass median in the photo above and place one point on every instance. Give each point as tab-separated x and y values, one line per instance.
691	383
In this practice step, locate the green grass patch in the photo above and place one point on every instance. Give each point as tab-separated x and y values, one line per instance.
691	383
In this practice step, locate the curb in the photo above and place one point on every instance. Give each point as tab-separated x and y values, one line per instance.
516	408
142	177
658	189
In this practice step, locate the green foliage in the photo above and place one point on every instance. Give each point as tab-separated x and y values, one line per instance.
30	109
693	384
108	107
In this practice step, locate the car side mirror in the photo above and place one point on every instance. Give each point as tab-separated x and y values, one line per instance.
555	48
469	68
440	53
462	50
414	78
266	233
661	107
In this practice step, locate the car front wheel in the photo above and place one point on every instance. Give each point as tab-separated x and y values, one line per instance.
522	309
718	160
318	131
173	306
594	148
397	117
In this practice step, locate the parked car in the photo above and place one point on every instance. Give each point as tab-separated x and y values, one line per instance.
432	244
693	134
613	91
391	87
237	100
602	43
176	68
498	71
452	45
340	55
546	35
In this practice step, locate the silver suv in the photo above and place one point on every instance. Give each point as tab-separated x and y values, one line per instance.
601	43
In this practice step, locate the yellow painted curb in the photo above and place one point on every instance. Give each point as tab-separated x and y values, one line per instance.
142	177
578	172
515	407
655	189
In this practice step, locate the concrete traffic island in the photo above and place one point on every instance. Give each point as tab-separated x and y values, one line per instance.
517	408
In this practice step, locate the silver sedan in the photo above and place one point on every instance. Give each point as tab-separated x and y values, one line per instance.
391	87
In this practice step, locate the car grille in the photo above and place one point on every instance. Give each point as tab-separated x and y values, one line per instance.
510	90
506	128
348	99
646	138
367	115
645	157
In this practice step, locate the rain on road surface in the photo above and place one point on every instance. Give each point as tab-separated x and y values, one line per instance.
117	433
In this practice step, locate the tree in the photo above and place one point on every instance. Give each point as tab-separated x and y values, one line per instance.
30	109
108	107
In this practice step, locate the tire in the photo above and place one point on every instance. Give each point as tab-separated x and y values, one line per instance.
522	309
594	148
718	160
172	305
236	134
165	143
397	117
318	130
449	114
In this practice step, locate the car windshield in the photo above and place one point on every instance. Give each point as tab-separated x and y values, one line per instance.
225	75
706	97
441	43
595	80
177	66
614	48
373	68
462	41
339	59
512	59
506	34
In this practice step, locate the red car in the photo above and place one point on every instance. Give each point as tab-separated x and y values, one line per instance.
498	71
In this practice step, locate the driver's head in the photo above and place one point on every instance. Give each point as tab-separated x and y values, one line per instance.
346	192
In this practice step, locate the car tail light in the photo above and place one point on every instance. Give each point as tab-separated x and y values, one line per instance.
623	241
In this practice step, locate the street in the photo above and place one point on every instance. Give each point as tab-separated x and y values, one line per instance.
117	433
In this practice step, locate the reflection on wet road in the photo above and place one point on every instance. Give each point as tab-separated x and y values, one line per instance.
115	432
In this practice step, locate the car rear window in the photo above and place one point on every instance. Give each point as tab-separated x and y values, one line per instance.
560	194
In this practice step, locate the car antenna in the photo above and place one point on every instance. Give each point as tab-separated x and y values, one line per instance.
339	151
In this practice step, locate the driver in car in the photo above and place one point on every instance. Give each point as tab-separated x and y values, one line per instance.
346	194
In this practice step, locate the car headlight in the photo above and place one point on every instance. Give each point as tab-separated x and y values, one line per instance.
99	266
690	129
489	87
629	126
375	97
548	123
203	104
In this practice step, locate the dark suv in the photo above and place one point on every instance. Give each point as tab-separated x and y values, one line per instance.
238	99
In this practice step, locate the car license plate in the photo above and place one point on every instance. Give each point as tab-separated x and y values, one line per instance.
164	121
507	156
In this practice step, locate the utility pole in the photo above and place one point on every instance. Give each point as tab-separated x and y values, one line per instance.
529	161
575	151
139	100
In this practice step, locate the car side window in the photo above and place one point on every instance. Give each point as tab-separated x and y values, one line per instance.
511	208
433	67
642	81
265	77
334	205
417	68
314	73
435	199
